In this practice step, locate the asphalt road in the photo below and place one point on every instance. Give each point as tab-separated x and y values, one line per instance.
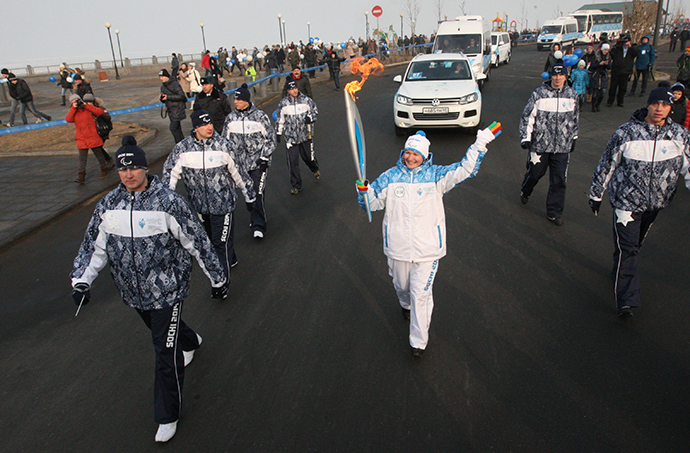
310	352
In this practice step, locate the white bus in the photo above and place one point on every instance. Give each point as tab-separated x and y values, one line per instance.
592	23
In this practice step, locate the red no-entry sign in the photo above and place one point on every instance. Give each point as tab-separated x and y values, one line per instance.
377	11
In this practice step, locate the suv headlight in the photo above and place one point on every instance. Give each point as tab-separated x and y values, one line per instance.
477	67
404	100
468	99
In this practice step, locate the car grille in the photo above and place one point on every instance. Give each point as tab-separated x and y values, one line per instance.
436	116
452	101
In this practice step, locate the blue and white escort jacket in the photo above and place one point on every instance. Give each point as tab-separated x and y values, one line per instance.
642	164
148	238
210	174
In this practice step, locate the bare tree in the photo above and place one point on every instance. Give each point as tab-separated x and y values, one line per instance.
412	13
438	6
639	18
675	12
523	15
462	9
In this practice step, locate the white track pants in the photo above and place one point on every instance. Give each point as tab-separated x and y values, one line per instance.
413	283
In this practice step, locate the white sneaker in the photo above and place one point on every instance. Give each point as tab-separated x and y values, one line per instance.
189	355
258	234
166	432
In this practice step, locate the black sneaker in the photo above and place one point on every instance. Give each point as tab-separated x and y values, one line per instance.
625	312
523	198
405	313
556	220
416	352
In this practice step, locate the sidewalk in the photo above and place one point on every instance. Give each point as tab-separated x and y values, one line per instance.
36	187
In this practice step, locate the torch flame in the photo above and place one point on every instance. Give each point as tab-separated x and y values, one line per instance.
371	66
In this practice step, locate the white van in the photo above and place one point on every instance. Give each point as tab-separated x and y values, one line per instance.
500	48
470	35
562	31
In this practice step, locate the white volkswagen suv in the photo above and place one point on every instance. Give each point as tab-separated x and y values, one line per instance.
437	91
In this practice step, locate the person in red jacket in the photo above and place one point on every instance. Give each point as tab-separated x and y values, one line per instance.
83	116
206	62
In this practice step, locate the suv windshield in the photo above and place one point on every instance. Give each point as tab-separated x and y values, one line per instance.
551	29
468	44
439	70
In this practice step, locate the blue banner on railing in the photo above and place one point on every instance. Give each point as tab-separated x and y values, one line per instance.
113	113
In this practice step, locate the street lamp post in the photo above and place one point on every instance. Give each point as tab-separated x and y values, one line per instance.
309	29
285	33
280	29
366	22
413	27
401	25
112	49
119	49
203	36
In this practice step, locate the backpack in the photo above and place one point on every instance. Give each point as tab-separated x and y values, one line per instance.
104	125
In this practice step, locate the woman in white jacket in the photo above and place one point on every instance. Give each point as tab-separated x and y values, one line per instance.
414	224
194	79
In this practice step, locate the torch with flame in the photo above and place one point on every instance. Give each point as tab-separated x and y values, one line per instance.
358	66
354	121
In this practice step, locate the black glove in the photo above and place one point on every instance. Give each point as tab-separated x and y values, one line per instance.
250	206
220	292
526	144
572	148
81	293
278	137
263	164
595	205
309	119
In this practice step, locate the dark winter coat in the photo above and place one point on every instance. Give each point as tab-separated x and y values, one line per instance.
176	101
333	61
303	85
293	58
148	238
83	88
210	174
678	111
599	69
310	57
642	164
550	120
217	105
623	64
23	91
645	57
85	124
63	80
683	64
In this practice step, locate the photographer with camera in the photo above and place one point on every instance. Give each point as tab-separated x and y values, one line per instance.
175	100
82	115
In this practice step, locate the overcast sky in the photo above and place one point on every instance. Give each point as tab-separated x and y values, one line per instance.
49	32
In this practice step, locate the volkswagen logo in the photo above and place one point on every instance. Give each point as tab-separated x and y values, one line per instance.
435	102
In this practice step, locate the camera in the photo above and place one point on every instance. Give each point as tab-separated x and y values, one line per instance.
80	103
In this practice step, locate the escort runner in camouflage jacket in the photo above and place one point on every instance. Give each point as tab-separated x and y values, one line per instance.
550	119
210	174
148	238
293	116
642	164
251	136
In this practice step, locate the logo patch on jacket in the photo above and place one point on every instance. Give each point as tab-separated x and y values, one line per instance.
399	192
